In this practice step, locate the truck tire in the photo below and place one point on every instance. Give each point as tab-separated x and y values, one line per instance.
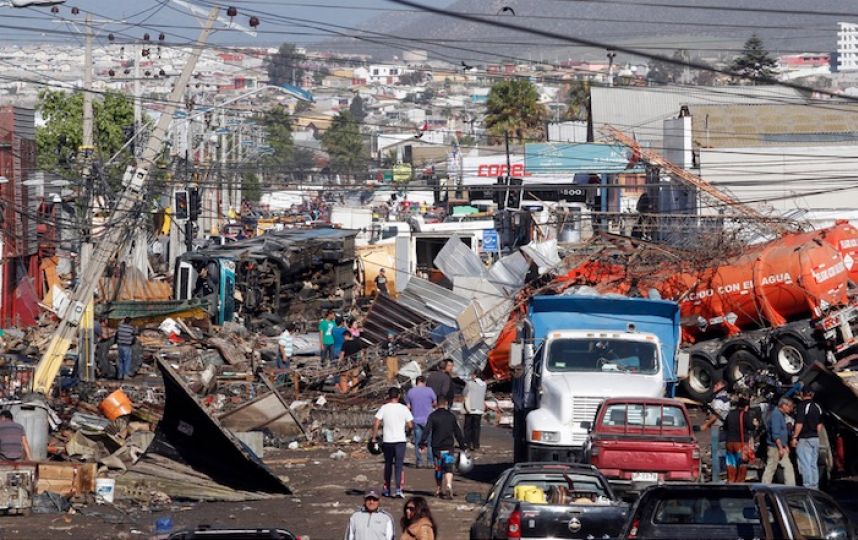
791	357
700	381
742	363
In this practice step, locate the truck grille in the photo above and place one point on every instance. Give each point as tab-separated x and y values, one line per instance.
583	410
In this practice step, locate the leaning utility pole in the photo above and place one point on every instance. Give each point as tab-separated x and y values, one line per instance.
121	222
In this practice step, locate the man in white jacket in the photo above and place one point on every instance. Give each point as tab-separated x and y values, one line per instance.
475	406
371	522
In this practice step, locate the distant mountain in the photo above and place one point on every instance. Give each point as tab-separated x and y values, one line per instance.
709	28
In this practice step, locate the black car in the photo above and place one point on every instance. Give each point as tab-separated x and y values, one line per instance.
737	511
565	500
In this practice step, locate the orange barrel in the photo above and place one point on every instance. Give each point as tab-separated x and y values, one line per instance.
115	405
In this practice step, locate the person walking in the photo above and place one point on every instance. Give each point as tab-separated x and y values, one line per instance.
326	340
737	428
440	380
285	348
395	417
339	332
371	522
475	407
13	439
719	407
778	443
125	337
381	282
417	522
421	401
808	424
441	429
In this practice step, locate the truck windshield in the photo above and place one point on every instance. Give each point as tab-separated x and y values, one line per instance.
599	354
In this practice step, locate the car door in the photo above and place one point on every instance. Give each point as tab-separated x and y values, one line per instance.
485	516
835	525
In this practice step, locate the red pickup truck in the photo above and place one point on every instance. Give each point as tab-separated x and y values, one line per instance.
635	442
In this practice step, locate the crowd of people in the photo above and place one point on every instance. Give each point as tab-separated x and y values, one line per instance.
784	434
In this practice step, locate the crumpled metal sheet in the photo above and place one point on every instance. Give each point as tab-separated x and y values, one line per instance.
508	273
432	301
544	254
456	259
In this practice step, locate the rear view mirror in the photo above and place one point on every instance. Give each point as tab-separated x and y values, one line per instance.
587	425
474	497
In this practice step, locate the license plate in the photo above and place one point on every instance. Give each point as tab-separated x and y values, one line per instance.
644	477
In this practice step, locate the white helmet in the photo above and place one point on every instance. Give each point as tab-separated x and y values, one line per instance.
464	464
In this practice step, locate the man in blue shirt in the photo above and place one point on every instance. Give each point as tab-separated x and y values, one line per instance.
339	336
778	441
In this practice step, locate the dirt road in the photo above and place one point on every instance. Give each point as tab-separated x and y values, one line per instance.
326	492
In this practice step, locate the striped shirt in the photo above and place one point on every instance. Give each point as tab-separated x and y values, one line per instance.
125	334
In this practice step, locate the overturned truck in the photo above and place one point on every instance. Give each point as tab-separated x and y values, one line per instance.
284	275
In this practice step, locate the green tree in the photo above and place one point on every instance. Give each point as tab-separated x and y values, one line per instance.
303	106
661	72
251	189
344	144
278	134
284	66
303	162
320	74
513	107
356	108
59	140
755	61
578	101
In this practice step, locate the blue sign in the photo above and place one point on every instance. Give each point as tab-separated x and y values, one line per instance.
490	241
571	158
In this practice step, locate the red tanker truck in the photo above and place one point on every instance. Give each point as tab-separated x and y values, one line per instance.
785	304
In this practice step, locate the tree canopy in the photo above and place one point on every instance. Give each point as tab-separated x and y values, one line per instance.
59	140
344	144
513	107
578	101
278	134
357	110
284	66
755	61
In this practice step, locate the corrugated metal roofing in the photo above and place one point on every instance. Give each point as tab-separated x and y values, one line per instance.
734	126
387	315
643	109
432	301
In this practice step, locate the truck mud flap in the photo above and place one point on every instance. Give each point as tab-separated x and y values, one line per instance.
189	436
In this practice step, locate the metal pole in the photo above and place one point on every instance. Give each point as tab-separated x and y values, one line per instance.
138	106
86	336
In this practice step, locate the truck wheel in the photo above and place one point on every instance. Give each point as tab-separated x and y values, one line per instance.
791	357
742	363
701	378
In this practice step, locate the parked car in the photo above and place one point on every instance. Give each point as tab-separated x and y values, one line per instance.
204	532
549	500
736	511
636	442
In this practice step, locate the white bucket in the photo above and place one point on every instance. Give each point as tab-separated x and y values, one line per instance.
104	489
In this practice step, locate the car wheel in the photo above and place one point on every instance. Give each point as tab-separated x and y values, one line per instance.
700	381
740	364
791	357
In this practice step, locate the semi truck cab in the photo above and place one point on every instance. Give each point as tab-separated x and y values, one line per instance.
575	352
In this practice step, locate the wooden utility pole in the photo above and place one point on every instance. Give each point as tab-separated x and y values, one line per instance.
121	223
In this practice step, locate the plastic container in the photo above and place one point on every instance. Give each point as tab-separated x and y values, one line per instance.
105	488
115	405
35	423
530	494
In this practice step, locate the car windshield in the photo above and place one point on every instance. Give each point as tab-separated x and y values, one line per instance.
640	415
544	481
600	354
706	510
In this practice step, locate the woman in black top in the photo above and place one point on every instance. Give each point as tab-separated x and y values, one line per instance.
738	428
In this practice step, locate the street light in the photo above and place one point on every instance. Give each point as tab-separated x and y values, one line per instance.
32	3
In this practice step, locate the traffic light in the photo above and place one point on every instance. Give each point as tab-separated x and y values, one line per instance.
194	202
181	209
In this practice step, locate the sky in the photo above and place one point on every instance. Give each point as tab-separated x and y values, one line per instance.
279	20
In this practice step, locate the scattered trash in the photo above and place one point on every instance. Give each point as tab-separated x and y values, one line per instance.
339	455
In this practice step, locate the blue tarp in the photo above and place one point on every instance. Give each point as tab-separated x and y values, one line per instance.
611	313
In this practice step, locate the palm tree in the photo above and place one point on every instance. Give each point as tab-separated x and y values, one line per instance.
513	107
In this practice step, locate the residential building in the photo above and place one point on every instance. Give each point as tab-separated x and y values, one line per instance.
847	47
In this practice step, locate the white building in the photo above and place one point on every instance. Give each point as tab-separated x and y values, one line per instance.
385	73
847	47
